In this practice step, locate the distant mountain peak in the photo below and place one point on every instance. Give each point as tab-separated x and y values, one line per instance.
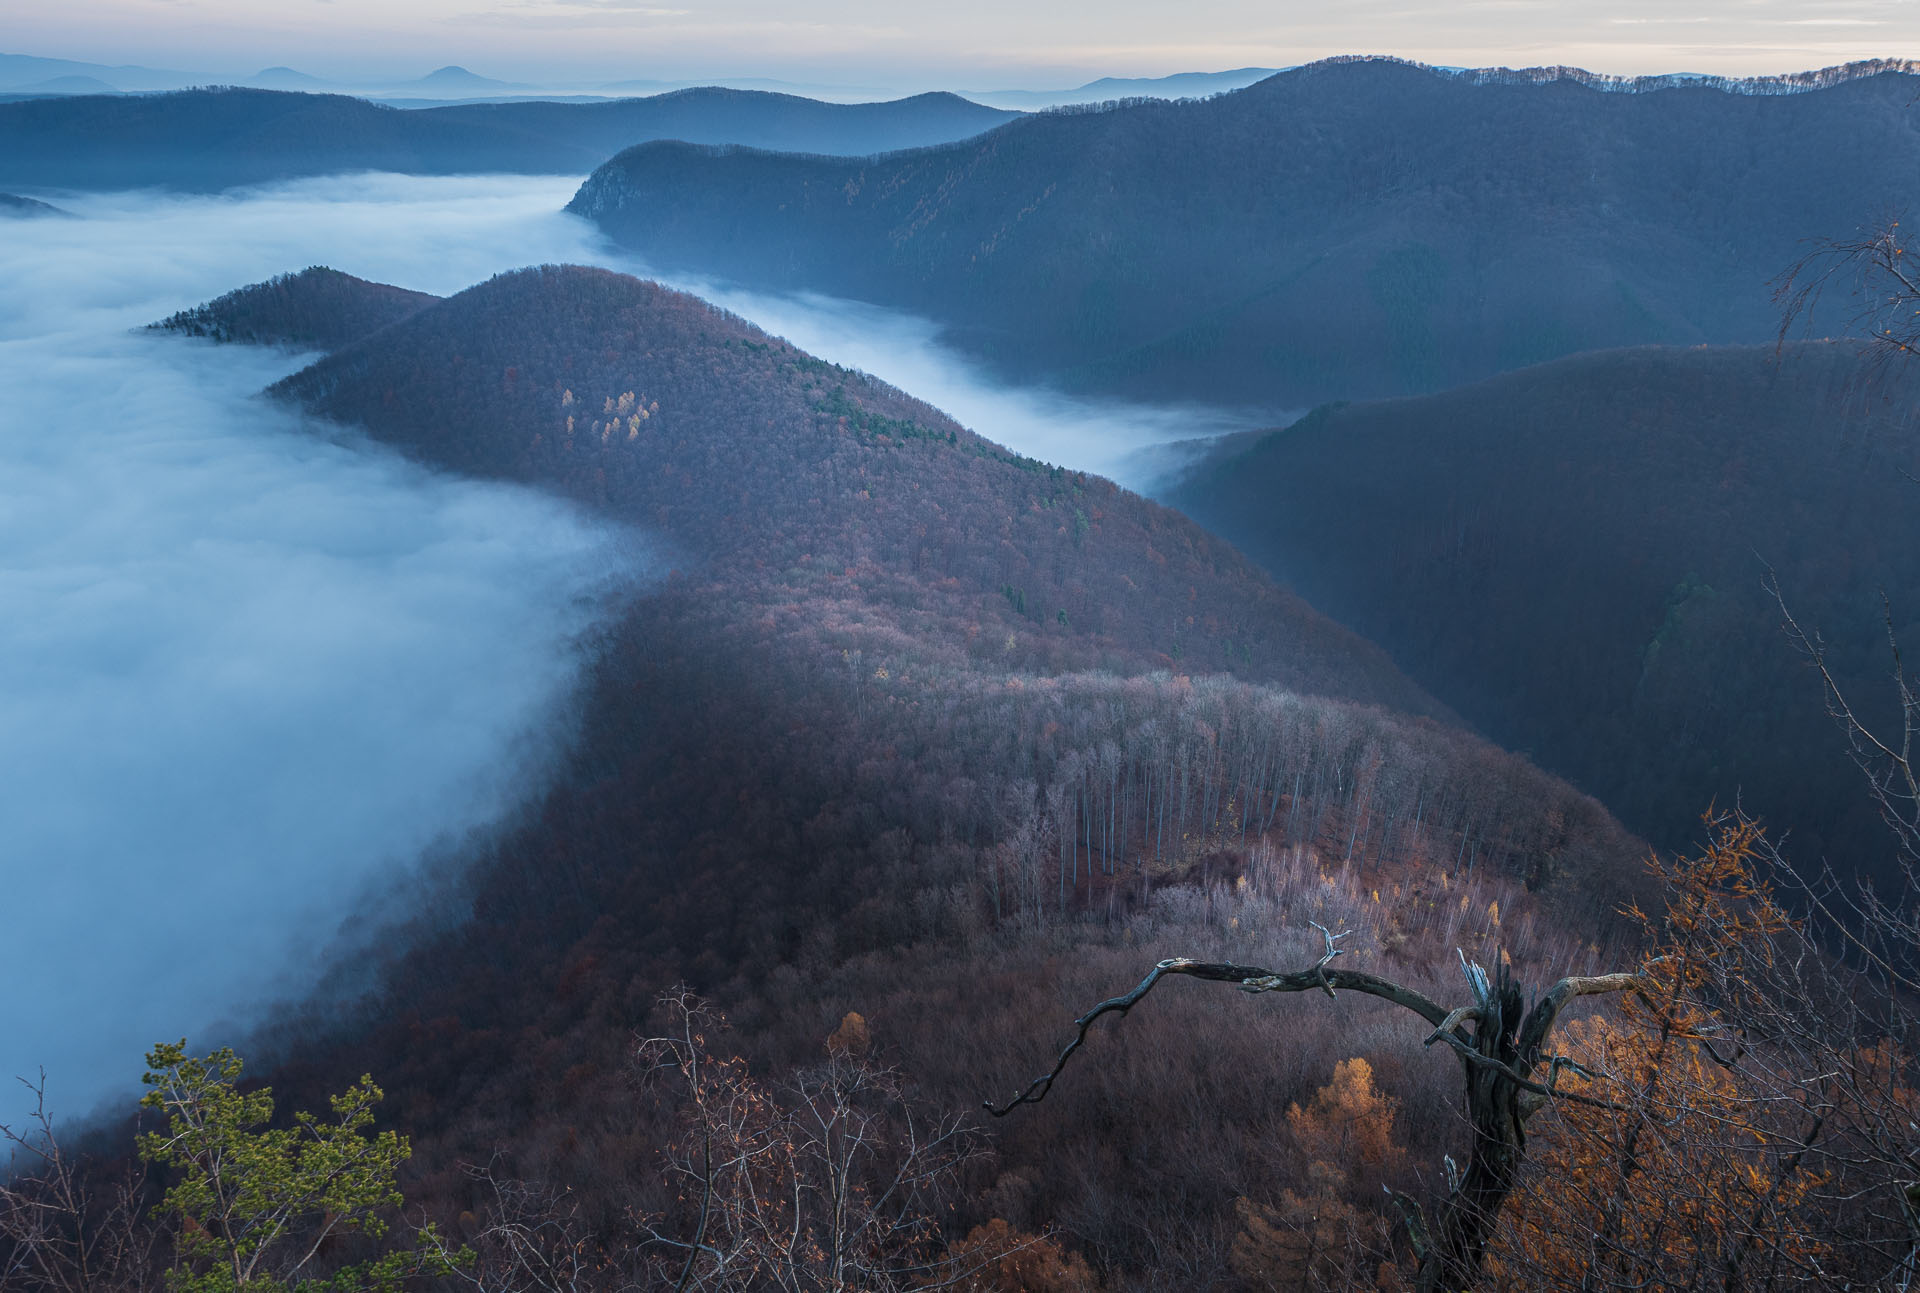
453	76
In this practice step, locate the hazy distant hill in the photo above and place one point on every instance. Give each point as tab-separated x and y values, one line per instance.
752	118
286	78
213	139
66	85
1180	85
454	81
1345	229
21	70
12	204
1573	555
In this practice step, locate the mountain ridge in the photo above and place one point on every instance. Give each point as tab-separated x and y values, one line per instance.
900	733
1349	229
529	430
215	138
1577	556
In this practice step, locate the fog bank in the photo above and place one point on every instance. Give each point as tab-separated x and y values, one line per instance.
247	666
1123	441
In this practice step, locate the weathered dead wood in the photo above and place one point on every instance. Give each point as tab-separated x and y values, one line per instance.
1499	1044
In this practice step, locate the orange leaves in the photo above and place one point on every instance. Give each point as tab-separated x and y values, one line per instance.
1348	1122
996	1258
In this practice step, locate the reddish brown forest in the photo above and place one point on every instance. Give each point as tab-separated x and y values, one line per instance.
921	749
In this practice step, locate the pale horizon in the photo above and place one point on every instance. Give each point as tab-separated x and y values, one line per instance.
996	45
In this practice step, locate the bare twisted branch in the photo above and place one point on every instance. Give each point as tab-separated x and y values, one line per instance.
1248	978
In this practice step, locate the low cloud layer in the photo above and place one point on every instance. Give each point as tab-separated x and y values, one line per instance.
246	669
250	667
1123	441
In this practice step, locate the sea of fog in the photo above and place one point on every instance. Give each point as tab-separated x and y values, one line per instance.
246	668
251	667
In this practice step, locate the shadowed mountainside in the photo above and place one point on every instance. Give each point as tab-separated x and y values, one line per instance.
1575	556
210	139
899	734
1347	229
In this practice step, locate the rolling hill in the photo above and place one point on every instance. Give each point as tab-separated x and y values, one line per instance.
1575	556
913	726
211	139
658	408
1349	229
315	309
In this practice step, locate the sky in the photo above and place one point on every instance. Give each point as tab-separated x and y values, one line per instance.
915	44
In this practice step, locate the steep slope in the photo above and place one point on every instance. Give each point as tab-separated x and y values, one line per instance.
315	309
661	409
1575	556
211	139
1348	229
891	737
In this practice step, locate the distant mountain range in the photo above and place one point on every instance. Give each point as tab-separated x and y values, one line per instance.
1181	85
1575	556
218	138
25	72
1353	228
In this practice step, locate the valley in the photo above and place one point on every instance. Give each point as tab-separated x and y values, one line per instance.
695	642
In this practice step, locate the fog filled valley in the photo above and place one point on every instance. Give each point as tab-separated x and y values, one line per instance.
250	670
694	652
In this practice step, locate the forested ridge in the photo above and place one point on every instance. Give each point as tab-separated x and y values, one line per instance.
221	137
660	409
315	309
1348	229
932	763
1578	557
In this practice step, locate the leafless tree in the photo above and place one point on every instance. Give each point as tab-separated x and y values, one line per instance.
1871	273
69	1226
1502	1047
529	1237
831	1180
